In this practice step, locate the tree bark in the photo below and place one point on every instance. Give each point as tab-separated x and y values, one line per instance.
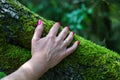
88	62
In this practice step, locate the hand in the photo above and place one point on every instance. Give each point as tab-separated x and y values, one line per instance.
50	50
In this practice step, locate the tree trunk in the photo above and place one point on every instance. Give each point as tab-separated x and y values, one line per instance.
88	62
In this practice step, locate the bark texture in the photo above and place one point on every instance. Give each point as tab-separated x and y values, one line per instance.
88	62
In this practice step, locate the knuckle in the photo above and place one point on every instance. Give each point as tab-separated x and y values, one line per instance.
66	42
70	38
74	47
65	32
59	38
63	45
38	29
51	37
58	41
33	40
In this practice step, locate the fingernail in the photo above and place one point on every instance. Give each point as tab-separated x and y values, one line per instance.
68	28
78	42
72	33
58	23
39	22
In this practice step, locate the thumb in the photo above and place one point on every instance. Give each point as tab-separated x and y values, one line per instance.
38	30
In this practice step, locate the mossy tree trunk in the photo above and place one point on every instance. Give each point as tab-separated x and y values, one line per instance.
88	62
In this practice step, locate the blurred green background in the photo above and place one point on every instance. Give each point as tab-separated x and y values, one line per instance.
96	20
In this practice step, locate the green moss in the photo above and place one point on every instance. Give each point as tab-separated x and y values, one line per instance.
88	62
13	57
2	74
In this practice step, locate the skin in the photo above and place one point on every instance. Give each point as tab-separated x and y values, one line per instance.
46	52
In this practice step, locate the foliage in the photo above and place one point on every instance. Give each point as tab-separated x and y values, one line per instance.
76	17
2	74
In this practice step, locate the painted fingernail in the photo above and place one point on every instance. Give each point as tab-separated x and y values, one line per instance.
72	33
58	23
78	42
39	22
68	28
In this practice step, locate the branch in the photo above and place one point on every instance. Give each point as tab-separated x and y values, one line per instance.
89	61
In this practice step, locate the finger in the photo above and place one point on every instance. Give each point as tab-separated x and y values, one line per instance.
68	40
63	34
38	30
54	30
72	49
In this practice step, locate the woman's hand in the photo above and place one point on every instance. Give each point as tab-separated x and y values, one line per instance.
48	51
52	49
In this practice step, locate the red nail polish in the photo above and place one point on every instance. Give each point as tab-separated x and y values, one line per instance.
58	23
78	42
39	22
68	28
73	33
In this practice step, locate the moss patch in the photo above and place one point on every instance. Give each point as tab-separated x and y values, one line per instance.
13	57
2	74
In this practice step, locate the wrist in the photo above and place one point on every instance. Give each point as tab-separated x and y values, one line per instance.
23	73
34	68
28	71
